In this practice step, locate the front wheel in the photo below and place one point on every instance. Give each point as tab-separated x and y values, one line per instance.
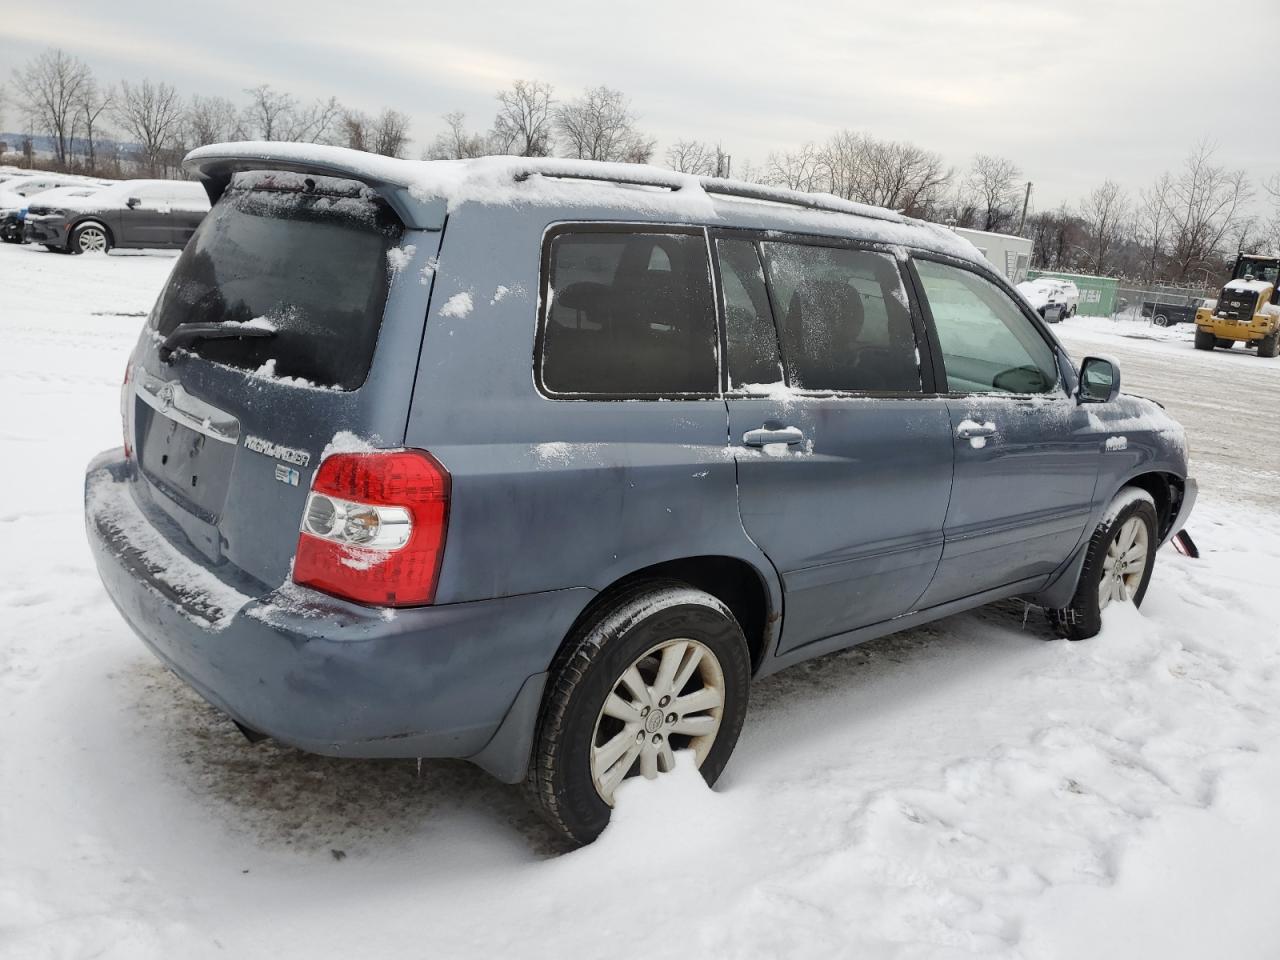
660	668
1205	340
1269	346
89	238
1117	566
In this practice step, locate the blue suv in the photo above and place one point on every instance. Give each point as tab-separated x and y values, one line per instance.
538	463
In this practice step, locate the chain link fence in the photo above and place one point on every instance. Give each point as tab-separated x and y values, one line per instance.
1162	305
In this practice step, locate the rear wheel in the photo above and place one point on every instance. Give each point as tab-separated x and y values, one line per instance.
1160	320
1117	566
662	667
1269	346
1205	340
89	238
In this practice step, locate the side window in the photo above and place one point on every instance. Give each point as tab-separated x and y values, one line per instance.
988	345
629	314
751	339
843	317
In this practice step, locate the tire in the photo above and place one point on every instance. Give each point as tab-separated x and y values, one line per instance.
1082	618
89	238
1224	344
587	675
1071	312
1160	320
1269	346
1205	340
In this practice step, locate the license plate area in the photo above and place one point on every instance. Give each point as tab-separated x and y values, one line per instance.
188	466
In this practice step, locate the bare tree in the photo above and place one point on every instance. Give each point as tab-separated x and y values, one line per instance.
994	181
795	170
456	143
599	125
93	102
523	125
387	133
316	123
212	120
1151	221
269	114
49	90
1205	204
1103	214
698	158
151	113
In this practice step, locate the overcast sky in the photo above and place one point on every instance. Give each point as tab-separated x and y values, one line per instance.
1073	91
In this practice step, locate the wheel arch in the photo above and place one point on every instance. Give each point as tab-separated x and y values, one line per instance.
94	222
750	594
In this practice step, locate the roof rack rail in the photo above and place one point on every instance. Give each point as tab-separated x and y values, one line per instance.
719	187
796	198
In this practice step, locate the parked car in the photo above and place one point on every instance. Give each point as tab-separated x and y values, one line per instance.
151	214
1044	299
13	220
1166	313
14	194
381	493
1066	292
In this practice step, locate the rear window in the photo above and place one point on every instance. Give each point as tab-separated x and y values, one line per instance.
629	314
307	255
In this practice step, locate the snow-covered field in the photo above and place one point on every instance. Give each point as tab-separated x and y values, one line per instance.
961	789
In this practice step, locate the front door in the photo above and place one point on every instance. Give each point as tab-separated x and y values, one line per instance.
1026	454
844	457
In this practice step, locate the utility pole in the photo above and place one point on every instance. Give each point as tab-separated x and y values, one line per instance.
1026	202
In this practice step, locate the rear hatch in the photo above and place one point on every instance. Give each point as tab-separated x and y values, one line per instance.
272	336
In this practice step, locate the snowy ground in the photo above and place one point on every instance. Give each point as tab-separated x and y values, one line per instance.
962	789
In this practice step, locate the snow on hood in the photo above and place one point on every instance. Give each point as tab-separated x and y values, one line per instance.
1038	295
509	181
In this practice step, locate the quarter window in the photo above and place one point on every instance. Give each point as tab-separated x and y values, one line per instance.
751	340
988	344
629	314
843	317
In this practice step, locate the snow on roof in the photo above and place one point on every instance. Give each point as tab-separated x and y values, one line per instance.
553	181
1249	286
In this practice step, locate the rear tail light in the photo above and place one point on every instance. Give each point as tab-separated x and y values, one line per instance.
374	526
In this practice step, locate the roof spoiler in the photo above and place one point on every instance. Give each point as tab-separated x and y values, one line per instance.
216	165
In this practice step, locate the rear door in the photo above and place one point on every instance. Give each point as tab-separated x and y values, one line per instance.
844	453
188	207
228	432
1026	454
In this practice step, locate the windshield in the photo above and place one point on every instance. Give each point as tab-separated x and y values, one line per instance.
1265	270
306	255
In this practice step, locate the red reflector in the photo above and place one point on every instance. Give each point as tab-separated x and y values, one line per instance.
356	498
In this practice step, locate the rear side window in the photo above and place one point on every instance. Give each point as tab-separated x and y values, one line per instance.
844	319
307	255
988	344
629	313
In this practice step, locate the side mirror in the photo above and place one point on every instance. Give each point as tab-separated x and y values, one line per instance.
1099	380
132	202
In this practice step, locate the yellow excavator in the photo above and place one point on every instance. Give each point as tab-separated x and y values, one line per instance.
1248	308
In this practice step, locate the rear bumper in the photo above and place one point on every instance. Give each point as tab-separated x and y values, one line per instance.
318	673
1230	330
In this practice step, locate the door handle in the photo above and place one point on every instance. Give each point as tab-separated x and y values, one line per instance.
968	430
763	436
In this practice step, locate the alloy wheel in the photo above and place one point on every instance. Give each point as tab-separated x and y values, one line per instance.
671	698
1125	563
92	240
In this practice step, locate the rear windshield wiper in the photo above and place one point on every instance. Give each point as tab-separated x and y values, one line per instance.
186	334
